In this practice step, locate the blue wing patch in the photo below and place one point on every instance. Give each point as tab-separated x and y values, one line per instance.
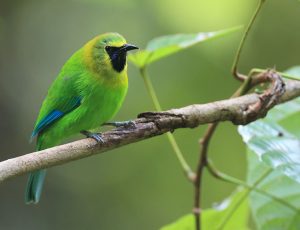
55	115
50	118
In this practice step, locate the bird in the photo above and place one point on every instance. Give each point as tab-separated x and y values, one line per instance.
88	91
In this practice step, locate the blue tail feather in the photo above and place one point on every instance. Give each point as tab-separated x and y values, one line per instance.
34	187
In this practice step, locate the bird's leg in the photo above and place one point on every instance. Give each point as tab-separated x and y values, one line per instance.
96	136
118	124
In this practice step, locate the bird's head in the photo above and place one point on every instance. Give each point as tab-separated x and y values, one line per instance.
109	51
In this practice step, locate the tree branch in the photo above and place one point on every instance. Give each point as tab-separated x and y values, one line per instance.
148	125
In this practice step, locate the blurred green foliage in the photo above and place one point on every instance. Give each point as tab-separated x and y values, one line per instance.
140	186
230	214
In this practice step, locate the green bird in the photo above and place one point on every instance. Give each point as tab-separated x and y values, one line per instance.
88	91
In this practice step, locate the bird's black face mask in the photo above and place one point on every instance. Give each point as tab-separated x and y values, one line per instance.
118	55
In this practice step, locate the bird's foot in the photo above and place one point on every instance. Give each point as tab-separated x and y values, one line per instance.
96	136
124	124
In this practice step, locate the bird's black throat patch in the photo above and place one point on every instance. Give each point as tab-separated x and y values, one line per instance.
117	57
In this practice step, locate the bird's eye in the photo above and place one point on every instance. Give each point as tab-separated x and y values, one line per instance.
108	48
111	49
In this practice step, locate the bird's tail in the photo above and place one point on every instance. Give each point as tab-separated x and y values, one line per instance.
36	180
34	186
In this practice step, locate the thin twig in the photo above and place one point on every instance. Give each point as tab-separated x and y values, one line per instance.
185	166
150	89
234	69
284	75
230	179
241	200
201	164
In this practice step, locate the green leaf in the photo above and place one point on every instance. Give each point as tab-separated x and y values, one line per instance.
284	111
295	72
228	215
164	46
288	116
268	213
291	123
274	146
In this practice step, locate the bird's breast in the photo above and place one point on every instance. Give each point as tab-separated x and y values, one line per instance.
103	99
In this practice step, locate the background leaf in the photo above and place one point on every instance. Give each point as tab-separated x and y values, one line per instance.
274	145
268	213
164	46
213	218
294	71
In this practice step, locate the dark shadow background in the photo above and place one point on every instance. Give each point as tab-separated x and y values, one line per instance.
139	186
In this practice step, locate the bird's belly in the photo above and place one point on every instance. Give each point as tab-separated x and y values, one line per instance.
98	107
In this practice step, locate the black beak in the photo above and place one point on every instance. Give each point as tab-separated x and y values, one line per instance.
128	47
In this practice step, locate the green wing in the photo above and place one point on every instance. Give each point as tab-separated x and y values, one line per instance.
62	98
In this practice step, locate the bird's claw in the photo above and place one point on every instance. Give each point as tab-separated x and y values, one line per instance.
96	136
